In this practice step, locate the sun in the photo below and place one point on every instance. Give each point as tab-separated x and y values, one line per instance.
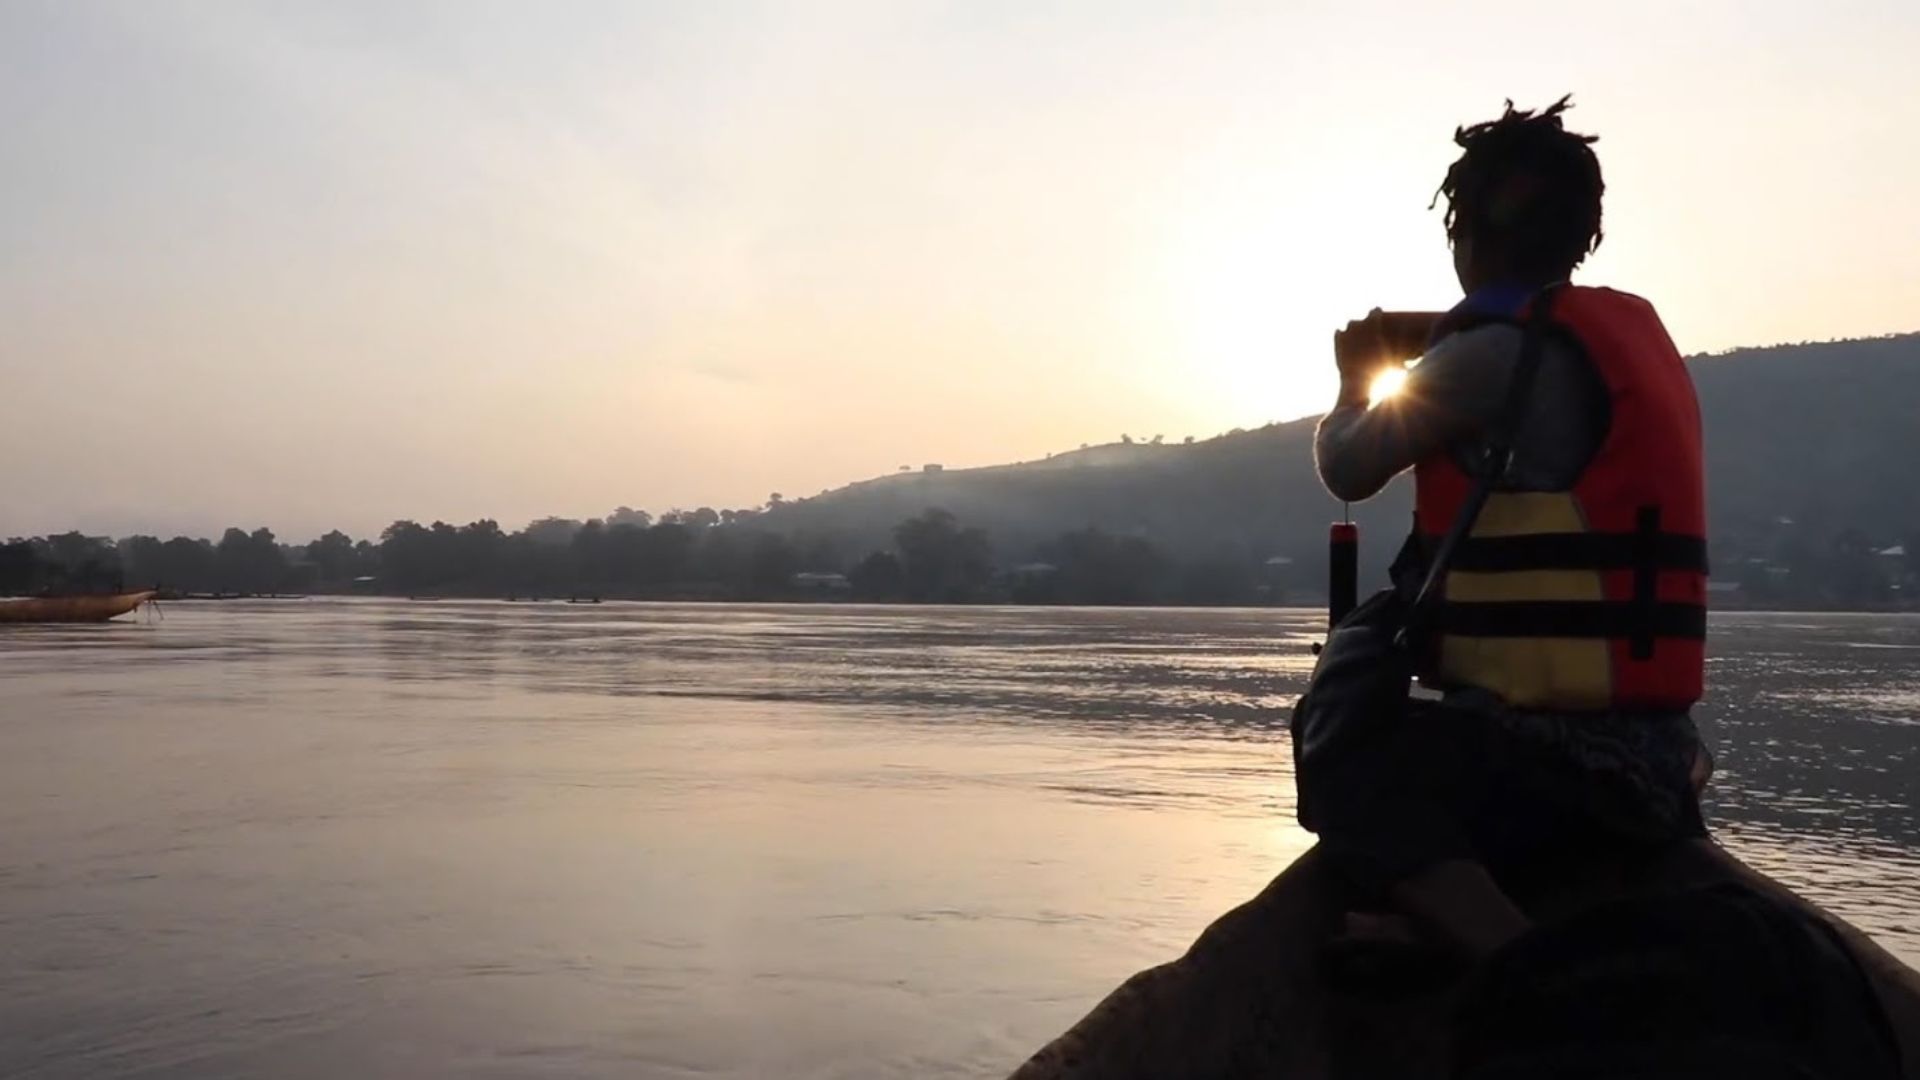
1386	384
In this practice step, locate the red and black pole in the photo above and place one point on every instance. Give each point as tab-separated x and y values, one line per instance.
1343	571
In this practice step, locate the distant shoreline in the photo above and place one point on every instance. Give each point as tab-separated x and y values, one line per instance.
1305	604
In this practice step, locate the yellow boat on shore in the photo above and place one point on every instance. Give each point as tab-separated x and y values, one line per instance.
69	609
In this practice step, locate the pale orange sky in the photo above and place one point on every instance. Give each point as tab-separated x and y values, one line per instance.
317	265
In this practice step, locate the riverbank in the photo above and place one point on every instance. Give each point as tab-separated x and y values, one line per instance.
695	594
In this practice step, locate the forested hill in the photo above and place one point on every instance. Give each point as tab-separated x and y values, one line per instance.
1811	456
1808	446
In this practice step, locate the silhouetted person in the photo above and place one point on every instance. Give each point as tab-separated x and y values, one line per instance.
1567	643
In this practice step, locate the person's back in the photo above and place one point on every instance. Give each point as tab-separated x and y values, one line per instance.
1568	633
1584	593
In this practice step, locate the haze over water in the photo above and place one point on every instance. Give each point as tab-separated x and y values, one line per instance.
328	838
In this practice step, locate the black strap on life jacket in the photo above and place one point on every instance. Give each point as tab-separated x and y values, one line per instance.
1626	619
1646	584
1646	551
1582	551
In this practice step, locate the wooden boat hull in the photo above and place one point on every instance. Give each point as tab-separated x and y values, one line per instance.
70	609
1246	999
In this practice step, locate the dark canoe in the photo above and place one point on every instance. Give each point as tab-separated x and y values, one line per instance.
1245	1000
69	609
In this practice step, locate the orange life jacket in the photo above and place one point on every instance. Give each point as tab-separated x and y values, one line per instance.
1594	597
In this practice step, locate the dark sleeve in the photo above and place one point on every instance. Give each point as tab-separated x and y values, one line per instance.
1450	396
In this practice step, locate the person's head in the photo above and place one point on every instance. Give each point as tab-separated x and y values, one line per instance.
1523	200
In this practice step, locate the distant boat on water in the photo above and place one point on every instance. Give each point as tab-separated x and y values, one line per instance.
64	609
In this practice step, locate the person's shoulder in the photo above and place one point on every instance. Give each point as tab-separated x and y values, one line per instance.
1608	295
1479	335
1483	345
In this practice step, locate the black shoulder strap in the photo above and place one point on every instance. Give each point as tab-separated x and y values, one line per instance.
1498	452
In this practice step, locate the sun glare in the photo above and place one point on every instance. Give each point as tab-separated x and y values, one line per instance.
1386	384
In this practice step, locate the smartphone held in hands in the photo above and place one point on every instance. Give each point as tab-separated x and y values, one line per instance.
1405	334
1382	339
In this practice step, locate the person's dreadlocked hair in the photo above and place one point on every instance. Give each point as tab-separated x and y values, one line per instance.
1527	186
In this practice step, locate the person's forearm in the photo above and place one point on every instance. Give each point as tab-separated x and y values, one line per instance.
1448	397
1354	391
1347	454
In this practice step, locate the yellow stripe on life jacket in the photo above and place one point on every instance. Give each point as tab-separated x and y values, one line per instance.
1528	671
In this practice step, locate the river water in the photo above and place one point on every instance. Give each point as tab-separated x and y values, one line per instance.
381	838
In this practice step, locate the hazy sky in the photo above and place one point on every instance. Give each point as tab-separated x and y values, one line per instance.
323	264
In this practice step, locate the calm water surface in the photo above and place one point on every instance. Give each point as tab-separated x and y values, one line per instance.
327	838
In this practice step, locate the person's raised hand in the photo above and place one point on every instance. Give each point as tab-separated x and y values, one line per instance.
1363	348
